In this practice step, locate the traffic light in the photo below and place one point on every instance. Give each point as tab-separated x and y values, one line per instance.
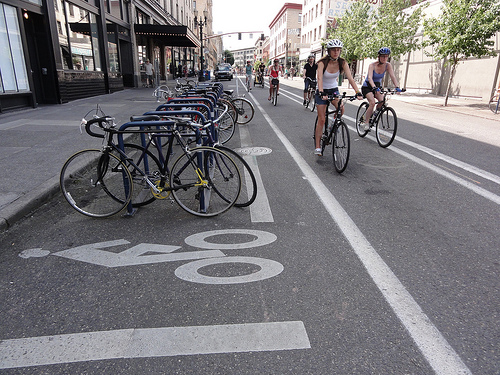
239	36
261	36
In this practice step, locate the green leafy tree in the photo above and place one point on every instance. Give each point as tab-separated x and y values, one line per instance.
228	57
353	30
464	29
395	25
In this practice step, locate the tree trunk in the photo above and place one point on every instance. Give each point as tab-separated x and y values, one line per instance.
452	75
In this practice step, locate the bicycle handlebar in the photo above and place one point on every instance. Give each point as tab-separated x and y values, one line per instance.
100	121
343	96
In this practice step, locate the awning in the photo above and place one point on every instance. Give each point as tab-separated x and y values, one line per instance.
171	35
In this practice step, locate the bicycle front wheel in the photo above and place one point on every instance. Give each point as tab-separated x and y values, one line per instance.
494	104
387	126
96	184
205	181
360	119
341	147
245	110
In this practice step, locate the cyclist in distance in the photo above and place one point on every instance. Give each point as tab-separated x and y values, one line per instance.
248	72
274	73
330	67
373	83
262	70
309	70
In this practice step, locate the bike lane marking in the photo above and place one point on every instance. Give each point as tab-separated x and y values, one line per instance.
153	342
431	343
260	209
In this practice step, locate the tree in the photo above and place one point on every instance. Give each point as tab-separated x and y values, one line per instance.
464	29
353	30
228	57
395	25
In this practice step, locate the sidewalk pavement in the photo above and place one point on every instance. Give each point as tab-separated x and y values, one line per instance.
35	142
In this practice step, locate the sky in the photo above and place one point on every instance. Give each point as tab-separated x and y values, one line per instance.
238	16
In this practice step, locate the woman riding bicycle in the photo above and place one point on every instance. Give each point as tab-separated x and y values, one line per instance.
330	67
373	83
274	73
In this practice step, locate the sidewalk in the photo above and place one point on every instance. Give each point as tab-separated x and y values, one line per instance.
34	143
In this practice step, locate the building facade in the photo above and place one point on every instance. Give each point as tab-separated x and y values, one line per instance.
60	50
284	35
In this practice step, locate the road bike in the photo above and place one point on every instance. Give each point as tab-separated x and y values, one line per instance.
274	90
494	103
384	119
335	132
243	108
311	92
204	181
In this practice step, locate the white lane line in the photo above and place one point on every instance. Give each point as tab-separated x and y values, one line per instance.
457	163
433	345
153	342
260	209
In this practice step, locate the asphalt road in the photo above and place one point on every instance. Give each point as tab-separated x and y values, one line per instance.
390	268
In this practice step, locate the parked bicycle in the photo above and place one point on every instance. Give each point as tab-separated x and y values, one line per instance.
336	132
243	108
384	119
204	181
311	90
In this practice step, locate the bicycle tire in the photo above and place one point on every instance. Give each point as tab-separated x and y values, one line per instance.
313	100
231	109
226	127
387	126
360	118
216	192
275	96
147	163
494	104
245	110
248	191
341	146
96	184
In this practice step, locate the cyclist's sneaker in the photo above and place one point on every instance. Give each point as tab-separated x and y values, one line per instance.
304	102
365	127
318	152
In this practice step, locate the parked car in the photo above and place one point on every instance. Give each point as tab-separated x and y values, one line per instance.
223	72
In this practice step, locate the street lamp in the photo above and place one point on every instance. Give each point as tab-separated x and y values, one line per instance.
201	22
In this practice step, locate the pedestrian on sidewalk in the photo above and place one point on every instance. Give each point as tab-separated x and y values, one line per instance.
149	73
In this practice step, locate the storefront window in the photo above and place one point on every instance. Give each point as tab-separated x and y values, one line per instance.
13	74
78	37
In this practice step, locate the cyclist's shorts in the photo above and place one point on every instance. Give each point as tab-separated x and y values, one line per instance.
366	89
308	83
275	81
320	101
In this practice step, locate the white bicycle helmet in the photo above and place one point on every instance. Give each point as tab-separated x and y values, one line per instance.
334	43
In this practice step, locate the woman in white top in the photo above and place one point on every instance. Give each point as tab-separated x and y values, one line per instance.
329	69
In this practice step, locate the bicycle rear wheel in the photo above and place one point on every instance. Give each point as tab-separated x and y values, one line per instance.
248	191
360	118
341	147
231	108
387	126
225	128
275	96
245	110
205	182
96	184
150	166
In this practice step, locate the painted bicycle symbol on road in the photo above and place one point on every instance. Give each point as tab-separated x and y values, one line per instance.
146	253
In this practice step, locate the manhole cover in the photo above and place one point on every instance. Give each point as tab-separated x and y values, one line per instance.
255	151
